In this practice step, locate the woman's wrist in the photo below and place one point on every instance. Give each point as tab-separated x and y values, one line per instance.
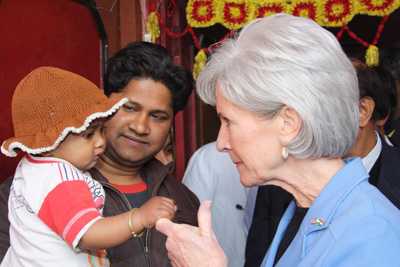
219	260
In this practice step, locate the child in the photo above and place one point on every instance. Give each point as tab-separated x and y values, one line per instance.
54	206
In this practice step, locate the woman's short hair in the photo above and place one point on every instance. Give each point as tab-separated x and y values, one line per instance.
284	60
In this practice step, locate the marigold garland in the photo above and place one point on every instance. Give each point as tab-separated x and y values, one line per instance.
199	61
152	26
378	7
336	13
202	13
234	14
372	56
270	7
304	8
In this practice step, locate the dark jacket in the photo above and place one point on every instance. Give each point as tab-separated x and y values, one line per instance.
272	202
385	173
394	132
141	252
4	223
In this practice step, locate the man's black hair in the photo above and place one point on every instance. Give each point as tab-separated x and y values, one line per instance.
378	84
143	60
390	60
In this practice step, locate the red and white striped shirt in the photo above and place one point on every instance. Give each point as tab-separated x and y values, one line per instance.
51	206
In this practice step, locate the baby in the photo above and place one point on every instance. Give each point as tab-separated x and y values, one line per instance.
55	207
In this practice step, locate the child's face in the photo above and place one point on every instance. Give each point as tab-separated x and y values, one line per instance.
82	150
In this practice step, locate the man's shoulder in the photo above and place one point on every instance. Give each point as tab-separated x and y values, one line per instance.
391	154
389	174
208	161
210	153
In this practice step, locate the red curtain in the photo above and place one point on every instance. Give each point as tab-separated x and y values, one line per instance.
34	33
182	50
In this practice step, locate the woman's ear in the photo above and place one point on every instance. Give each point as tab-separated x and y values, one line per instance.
291	124
367	106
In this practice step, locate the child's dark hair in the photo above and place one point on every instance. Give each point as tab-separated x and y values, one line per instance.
143	60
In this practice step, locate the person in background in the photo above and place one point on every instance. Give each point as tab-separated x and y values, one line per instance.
287	96
156	89
390	60
166	154
211	175
377	105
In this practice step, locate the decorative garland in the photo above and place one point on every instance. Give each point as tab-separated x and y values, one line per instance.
233	14
153	26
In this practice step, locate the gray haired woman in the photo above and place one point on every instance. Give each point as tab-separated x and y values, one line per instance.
287	98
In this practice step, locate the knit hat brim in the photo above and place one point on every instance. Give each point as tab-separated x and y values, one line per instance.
43	141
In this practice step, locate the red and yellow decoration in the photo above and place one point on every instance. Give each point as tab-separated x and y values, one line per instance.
199	61
270	7
377	7
153	26
234	14
304	8
202	13
336	13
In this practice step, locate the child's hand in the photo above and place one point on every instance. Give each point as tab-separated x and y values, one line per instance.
156	208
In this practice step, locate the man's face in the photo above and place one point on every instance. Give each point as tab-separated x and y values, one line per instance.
139	129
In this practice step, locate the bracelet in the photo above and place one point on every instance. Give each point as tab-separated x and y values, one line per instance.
134	234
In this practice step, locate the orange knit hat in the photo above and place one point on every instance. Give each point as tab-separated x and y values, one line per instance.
48	104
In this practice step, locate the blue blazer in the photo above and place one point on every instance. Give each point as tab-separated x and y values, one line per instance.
349	224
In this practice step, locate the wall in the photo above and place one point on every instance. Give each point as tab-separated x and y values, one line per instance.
59	33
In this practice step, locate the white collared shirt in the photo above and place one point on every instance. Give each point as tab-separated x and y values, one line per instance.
370	159
212	175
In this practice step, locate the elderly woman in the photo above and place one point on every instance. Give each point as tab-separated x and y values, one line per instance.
287	98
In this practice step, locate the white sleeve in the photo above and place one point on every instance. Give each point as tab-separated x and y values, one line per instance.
200	175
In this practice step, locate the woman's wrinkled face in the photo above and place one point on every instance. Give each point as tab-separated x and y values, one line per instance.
252	142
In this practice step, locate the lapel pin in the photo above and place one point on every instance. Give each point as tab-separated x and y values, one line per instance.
318	221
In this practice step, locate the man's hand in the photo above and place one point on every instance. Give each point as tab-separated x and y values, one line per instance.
190	246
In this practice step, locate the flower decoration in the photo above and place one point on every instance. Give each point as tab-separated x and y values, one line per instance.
201	13
199	61
270	7
304	8
372	56
336	13
153	27
236	13
378	7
